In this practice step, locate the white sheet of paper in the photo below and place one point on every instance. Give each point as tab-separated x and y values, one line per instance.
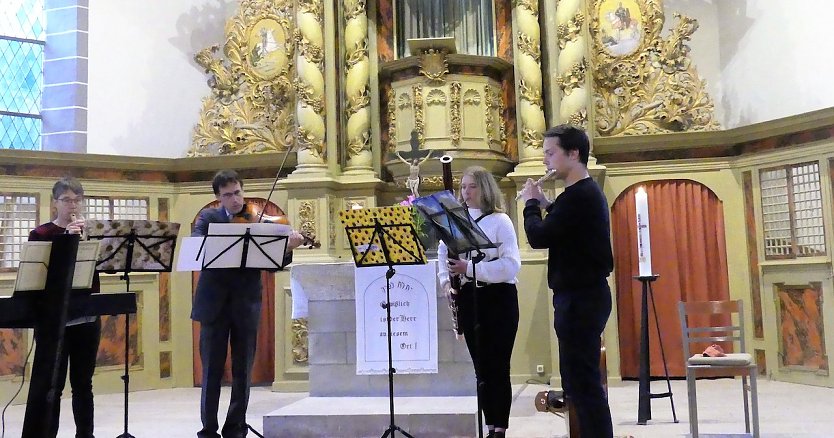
190	258
224	245
34	262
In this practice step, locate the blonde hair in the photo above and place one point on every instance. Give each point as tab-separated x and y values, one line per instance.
491	199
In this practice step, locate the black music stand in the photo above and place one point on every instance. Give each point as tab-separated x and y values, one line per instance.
252	246
461	234
132	246
51	322
384	237
644	405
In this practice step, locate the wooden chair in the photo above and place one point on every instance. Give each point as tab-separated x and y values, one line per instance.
740	363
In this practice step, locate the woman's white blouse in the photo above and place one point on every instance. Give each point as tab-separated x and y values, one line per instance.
500	265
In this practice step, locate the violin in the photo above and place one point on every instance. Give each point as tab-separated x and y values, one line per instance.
253	214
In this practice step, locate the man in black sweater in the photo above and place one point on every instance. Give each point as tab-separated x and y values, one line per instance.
576	232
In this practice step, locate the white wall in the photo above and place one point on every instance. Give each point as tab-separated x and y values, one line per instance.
704	43
145	88
776	59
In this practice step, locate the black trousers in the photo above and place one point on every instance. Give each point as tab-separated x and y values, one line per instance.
241	333
579	316
497	313
79	356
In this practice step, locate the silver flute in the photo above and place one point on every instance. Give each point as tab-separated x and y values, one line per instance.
539	182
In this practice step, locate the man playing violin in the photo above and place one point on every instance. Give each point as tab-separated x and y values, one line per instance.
227	304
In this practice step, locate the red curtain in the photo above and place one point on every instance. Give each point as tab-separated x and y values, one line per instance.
686	227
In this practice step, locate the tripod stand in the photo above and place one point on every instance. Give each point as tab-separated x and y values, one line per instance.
384	237
156	248
644	406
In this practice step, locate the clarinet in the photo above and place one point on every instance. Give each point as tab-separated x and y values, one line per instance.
454	280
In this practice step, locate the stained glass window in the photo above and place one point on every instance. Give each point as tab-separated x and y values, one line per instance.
22	39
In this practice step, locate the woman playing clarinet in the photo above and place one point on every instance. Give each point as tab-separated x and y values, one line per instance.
491	302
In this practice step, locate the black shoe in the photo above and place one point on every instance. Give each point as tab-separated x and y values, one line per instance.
499	435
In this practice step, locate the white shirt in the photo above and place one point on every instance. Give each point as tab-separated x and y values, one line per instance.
500	265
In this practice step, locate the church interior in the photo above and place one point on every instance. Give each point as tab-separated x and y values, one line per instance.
323	106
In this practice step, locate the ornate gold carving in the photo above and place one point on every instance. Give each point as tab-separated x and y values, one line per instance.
307	218
570	30
434	65
502	127
650	88
436	97
454	113
573	78
357	87
528	62
250	108
309	83
435	182
489	116
392	121
417	93
300	352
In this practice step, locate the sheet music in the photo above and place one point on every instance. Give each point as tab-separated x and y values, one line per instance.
34	263
190	258
224	245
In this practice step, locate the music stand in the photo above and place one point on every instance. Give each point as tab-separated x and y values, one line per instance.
49	271
461	234
132	246
384	236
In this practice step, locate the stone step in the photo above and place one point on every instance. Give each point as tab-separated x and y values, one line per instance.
359	417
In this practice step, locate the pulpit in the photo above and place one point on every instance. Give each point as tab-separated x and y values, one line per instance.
447	102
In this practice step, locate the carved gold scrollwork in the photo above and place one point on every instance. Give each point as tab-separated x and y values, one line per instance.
454	113
307	217
309	83
573	78
250	108
570	30
417	94
300	349
528	67
434	65
392	121
489	117
646	84
357	84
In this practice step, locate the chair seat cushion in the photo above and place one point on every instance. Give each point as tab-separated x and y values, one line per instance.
731	359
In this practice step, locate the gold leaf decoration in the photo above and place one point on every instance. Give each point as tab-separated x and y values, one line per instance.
250	109
646	84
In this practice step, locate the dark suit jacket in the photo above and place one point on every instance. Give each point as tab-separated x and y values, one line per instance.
238	291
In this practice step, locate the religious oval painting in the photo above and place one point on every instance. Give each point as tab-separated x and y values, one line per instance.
620	25
267	48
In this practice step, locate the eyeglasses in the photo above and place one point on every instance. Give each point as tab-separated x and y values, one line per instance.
75	201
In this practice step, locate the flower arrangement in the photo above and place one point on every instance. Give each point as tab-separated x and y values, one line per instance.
416	217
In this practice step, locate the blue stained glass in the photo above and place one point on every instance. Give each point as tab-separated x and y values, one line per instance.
20	133
21	72
21	77
22	19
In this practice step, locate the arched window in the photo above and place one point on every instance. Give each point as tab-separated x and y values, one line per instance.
22	40
470	22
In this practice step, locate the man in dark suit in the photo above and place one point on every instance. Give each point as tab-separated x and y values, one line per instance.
227	304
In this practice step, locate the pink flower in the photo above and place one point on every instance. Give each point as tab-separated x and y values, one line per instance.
408	201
